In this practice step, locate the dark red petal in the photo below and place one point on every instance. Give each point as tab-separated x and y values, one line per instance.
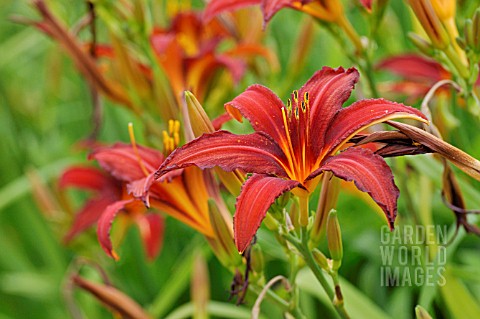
271	7
218	122
255	153
361	115
370	173
84	178
88	216
367	4
152	229
263	109
328	90
121	161
105	224
235	66
257	195
215	7
414	67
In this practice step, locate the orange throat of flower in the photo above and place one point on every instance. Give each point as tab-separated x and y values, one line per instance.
297	147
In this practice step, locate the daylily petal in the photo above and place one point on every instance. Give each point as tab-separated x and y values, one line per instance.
105	224
367	4
255	152
215	7
328	90
122	162
263	109
257	195
370	173
88	216
84	178
271	7
151	229
362	114
415	67
115	300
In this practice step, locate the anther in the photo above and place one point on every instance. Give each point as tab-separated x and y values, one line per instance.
296	113
295	96
306	97
289	104
304	106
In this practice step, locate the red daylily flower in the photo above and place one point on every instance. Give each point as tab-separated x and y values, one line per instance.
189	52
131	169
111	197
329	10
418	74
295	143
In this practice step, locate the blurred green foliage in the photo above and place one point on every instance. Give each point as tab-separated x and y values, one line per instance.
46	109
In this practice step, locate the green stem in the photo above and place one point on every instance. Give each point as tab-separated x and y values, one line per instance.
368	71
457	63
351	33
303	205
302	247
278	301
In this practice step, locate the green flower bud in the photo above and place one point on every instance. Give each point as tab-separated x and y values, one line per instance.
320	259
431	23
423	45
222	244
421	313
334	237
257	262
200	124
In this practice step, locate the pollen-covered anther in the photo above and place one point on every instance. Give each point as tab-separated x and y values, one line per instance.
304	106
297	115
171	138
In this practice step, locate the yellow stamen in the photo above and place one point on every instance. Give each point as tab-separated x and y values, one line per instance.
295	96
176	138
135	149
290	147
171	124
171	138
304	107
306	97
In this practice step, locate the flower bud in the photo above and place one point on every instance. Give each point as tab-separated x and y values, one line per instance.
199	123
423	45
320	259
431	23
271	223
327	201
468	33
334	237
475	32
222	244
421	313
113	298
257	262
445	9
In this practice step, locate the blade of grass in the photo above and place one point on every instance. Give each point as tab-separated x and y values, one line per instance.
179	280
217	309
357	304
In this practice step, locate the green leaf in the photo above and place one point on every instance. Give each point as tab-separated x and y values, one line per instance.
356	303
217	309
458	299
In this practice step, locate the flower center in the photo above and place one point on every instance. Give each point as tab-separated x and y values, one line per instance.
296	120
